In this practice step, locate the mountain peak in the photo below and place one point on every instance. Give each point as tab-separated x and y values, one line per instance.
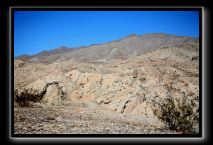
131	35
128	45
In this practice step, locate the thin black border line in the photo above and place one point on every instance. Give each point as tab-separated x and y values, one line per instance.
12	69
105	9
205	25
132	9
200	71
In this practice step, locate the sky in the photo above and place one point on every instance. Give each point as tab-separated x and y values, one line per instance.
36	31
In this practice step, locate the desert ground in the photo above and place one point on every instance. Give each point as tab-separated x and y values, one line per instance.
111	90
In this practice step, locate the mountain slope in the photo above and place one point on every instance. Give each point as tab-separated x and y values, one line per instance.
121	49
143	84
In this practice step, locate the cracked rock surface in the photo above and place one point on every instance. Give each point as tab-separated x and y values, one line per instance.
156	92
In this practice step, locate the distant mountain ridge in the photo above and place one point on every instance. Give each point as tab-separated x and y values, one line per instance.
45	53
53	51
119	49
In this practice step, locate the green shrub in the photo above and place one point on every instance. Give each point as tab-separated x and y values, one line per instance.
181	116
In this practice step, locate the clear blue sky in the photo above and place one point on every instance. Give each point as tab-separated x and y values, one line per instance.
35	31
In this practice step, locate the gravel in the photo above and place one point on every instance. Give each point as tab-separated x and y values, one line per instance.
62	120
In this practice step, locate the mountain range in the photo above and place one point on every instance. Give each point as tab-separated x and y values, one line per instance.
140	84
131	45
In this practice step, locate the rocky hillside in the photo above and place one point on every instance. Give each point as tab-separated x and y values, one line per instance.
130	46
152	78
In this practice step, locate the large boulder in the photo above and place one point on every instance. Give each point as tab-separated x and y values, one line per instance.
47	93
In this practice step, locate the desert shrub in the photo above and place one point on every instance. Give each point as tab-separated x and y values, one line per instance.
195	58
180	115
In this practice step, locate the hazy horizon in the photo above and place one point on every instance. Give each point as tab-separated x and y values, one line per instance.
37	31
98	43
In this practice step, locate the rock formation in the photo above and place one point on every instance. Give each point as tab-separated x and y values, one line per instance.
153	76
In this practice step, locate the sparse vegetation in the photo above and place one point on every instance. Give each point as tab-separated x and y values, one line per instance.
119	92
180	117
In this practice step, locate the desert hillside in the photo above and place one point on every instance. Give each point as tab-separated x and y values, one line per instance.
140	84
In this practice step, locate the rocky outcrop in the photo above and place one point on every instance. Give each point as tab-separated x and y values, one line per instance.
49	94
158	85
